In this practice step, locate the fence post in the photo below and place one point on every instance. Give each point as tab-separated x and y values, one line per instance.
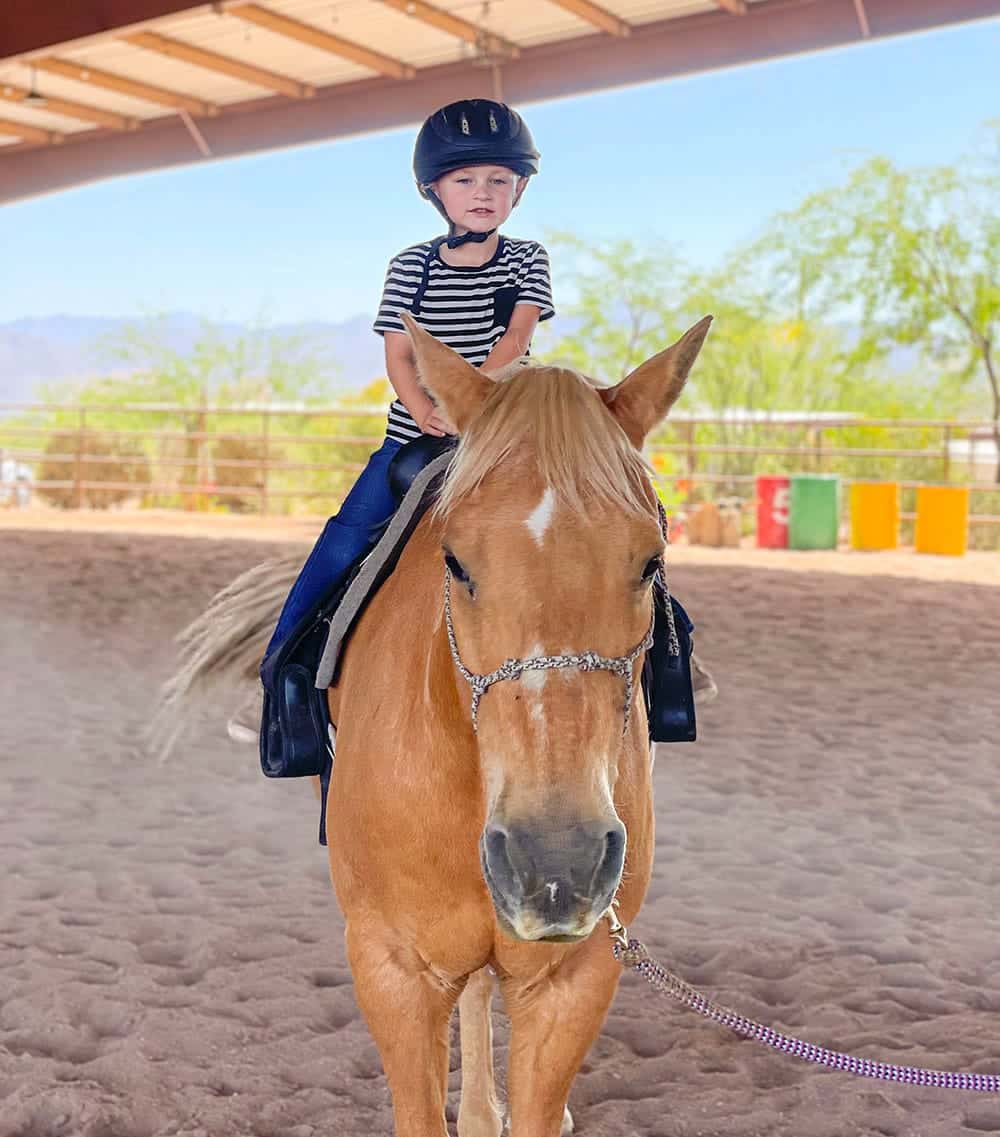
78	460
201	497
946	472
692	462
818	442
265	430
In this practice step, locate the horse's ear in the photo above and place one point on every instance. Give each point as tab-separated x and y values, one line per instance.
459	387
643	398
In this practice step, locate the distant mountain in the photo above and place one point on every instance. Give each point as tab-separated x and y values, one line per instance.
56	349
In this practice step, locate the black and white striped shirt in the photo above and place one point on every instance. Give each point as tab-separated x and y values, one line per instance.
466	307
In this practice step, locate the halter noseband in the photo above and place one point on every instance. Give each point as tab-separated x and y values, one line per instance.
514	668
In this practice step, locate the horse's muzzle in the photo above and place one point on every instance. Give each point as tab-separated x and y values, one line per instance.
552	883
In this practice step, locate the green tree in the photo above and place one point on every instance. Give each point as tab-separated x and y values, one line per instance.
256	365
912	256
628	304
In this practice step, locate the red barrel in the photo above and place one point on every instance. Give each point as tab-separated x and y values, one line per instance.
772	511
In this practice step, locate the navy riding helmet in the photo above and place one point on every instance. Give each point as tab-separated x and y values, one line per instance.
472	132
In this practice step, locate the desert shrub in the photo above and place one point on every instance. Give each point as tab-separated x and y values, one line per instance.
120	462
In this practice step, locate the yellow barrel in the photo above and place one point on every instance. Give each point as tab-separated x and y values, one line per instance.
942	520
874	515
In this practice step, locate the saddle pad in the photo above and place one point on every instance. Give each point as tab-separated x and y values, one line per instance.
377	566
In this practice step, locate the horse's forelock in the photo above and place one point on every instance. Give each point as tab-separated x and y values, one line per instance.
553	417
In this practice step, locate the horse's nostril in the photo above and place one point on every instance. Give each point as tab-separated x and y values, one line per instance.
496	843
610	867
500	870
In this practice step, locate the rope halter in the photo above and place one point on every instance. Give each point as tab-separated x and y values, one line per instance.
621	665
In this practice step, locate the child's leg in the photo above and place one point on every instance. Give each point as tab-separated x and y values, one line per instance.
702	682
344	538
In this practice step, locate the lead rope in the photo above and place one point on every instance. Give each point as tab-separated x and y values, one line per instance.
632	953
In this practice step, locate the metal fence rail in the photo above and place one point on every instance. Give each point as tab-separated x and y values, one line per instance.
271	458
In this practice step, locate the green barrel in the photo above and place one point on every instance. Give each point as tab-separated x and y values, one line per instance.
813	511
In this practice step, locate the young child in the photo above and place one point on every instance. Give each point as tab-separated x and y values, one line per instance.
479	292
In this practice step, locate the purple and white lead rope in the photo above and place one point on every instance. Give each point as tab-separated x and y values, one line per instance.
636	957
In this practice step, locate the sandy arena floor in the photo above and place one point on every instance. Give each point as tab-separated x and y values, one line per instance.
171	956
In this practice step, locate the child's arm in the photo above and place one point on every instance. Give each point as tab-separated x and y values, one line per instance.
401	367
515	340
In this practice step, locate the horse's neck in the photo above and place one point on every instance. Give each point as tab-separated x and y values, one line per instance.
410	631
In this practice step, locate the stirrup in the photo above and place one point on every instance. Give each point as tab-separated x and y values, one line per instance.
294	739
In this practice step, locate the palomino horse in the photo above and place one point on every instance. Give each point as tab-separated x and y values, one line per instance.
474	830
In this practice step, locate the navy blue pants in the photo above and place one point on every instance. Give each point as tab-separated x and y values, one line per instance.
344	538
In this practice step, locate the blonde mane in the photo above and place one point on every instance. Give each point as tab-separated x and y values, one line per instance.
554	416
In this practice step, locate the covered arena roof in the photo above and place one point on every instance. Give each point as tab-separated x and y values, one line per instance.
94	90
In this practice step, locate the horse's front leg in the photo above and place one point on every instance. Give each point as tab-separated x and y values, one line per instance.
407	1008
554	1021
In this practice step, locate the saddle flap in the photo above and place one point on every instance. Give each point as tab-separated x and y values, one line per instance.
666	679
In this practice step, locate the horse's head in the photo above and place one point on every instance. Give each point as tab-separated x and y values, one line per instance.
551	540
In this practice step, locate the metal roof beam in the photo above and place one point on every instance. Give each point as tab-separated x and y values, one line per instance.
859	7
221	64
315	37
699	42
28	26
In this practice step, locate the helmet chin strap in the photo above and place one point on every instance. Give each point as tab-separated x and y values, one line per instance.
453	242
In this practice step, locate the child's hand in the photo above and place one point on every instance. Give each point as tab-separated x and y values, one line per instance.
435	422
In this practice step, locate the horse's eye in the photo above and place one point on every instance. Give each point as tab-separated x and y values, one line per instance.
652	568
456	570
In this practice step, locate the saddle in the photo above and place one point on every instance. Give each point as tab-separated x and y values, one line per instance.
295	735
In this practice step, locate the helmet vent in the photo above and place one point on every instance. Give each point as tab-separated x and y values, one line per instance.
493	123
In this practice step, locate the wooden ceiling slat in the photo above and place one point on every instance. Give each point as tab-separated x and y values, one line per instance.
69	109
26	133
324	41
69	69
597	16
455	26
223	64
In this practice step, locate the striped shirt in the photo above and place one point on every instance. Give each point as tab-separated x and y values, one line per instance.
467	307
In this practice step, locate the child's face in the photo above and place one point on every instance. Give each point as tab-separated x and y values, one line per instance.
477	198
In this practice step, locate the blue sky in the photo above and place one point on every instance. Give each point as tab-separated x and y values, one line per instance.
306	233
